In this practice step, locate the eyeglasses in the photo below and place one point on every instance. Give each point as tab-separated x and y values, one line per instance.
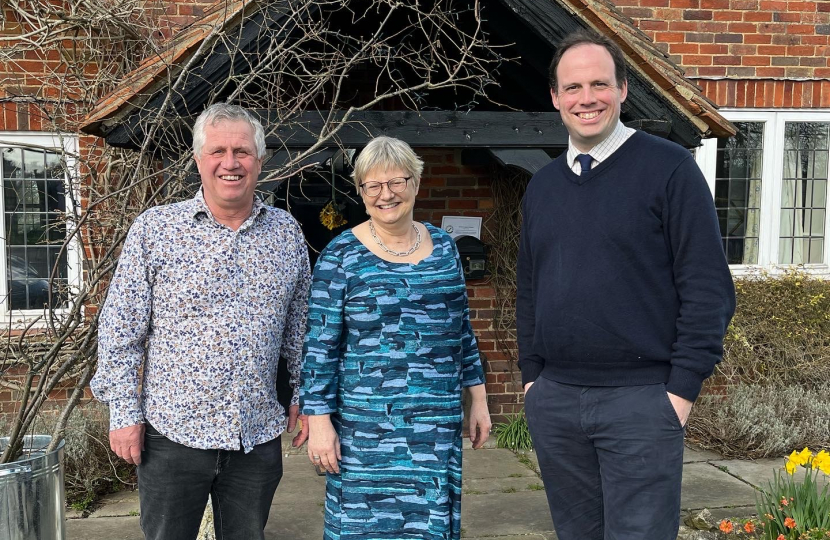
395	185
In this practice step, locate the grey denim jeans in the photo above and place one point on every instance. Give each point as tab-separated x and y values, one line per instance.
174	482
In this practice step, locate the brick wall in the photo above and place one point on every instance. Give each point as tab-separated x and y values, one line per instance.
450	188
761	40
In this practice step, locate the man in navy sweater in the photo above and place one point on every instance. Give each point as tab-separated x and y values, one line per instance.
624	296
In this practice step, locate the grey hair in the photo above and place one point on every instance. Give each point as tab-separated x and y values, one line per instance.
219	112
384	153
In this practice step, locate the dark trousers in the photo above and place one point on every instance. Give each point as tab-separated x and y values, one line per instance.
611	459
174	482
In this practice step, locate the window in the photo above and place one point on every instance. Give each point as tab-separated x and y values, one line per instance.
769	183
35	211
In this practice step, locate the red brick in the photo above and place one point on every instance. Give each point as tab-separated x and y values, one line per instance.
651	25
743	28
697	15
801	29
743	50
478	192
771	28
816	40
684	4
785	17
670	37
711	71
637	13
778	95
458	204
714	27
772	49
684	48
654	3
443	169
758	38
724	15
745	4
755	60
682	26
433	182
800	50
825	88
788	93
769	72
773	5
727	60
801	6
714	4
708	48
823	7
757	16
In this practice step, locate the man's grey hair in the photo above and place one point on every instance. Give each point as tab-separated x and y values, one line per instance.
384	153
220	112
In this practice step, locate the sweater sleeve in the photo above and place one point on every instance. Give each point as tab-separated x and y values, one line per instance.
321	350
702	279
530	362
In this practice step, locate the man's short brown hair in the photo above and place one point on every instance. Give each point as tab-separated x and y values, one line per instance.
588	37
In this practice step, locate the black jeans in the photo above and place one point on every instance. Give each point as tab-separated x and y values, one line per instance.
174	482
611	459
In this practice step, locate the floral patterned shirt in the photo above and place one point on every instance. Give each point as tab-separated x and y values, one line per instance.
206	311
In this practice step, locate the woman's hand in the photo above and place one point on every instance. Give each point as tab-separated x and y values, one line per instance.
479	417
323	443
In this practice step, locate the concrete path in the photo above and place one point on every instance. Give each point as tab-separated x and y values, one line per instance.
503	498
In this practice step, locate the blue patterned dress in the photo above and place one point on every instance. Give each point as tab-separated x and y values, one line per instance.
389	347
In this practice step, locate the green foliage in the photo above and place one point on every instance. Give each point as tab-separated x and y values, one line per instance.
795	508
775	371
780	332
754	421
514	433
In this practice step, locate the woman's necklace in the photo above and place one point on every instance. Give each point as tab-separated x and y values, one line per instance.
410	251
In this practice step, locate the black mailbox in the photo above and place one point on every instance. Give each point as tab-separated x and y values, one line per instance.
473	256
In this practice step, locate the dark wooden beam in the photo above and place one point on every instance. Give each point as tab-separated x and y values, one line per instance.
427	129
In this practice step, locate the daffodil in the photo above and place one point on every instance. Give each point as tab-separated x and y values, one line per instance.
801	458
791	466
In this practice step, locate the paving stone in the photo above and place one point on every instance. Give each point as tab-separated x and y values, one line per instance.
693	455
705	486
496	463
501	485
761	471
504	514
114	528
123	503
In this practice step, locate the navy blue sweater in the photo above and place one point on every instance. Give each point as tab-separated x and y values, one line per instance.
622	279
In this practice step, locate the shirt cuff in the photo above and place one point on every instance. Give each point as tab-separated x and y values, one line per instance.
125	413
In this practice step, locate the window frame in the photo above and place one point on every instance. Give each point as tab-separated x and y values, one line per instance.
67	145
771	185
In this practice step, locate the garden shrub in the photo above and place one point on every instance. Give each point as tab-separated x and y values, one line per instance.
91	468
776	371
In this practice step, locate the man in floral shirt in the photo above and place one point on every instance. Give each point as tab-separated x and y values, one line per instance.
208	293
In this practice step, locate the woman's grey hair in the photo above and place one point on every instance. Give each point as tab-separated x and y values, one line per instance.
219	112
384	153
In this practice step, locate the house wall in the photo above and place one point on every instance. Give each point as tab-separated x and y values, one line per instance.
744	53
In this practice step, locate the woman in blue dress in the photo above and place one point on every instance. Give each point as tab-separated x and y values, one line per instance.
388	350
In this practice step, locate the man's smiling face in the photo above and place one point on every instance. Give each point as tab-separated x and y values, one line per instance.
587	95
228	165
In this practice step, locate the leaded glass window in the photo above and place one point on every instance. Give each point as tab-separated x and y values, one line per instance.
738	191
34	210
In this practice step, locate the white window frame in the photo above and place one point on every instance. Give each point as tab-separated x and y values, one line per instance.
68	145
771	182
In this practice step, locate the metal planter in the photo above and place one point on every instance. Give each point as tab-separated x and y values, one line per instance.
32	492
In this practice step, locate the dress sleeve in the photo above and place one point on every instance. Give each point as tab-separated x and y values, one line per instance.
324	335
125	320
472	373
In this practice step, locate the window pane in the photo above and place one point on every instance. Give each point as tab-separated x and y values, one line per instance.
12	163
804	192
738	191
34	164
